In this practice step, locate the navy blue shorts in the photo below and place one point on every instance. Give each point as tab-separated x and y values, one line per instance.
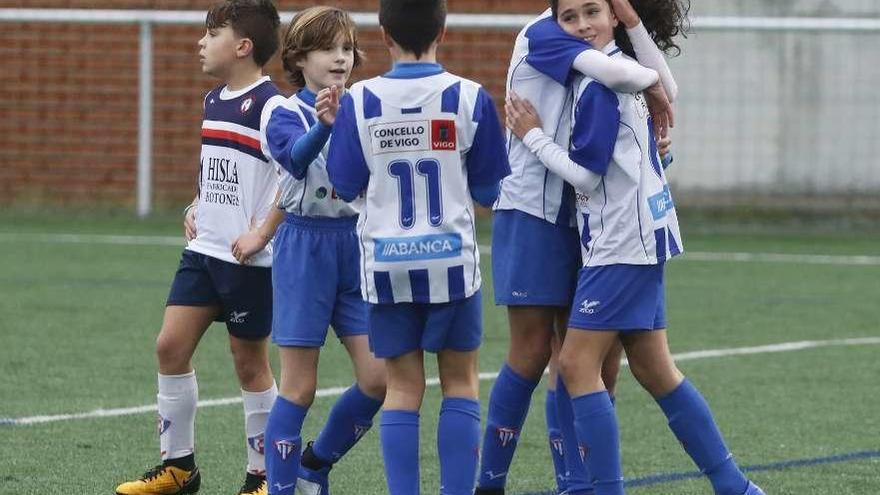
624	298
398	329
243	293
534	262
316	282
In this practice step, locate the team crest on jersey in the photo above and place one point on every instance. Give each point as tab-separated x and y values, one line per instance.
247	105
162	424
285	448
257	443
321	193
506	435
443	135
582	199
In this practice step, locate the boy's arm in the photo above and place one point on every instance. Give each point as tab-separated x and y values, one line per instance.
647	52
346	165
592	141
555	53
486	160
254	241
289	143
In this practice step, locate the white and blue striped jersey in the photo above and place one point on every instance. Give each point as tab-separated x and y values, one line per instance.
416	140
311	194
540	72
237	178
630	217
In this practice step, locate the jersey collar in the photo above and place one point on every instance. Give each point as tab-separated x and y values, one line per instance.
414	70
306	95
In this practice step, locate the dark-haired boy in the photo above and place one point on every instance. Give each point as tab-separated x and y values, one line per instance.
237	184
421	143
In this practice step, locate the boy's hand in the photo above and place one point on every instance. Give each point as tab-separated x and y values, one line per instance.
189	223
626	13
327	105
661	110
521	116
664	144
249	244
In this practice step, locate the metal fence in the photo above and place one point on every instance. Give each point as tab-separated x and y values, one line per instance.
769	106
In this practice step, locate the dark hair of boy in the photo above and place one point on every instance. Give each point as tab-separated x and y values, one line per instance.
413	24
316	28
256	20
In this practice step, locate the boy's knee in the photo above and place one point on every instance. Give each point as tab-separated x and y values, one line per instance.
300	395
172	356
373	386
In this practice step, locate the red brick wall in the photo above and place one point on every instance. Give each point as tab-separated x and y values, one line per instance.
68	131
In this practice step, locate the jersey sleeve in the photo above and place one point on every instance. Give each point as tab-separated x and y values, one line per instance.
486	161
594	135
284	129
346	165
552	51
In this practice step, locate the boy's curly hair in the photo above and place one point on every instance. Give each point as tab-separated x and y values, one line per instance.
664	20
316	28
256	20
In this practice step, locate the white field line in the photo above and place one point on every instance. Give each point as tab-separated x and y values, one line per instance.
142	240
488	376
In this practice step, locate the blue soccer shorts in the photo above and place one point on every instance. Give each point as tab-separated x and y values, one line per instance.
243	293
534	262
625	298
398	329
316	282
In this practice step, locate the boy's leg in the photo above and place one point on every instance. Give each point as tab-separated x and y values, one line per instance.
299	376
182	329
554	433
351	416
531	332
690	418
580	365
399	433
258	391
458	432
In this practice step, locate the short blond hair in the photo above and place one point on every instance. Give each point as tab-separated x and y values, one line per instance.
316	28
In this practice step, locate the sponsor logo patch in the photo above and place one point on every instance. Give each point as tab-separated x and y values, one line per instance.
398	137
443	135
426	247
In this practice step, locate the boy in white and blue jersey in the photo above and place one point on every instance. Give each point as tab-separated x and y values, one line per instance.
237	183
421	143
316	276
628	228
535	243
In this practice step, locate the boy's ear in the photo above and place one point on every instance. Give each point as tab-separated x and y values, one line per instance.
244	48
386	39
441	36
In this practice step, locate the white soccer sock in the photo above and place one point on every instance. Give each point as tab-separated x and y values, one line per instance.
177	398
256	412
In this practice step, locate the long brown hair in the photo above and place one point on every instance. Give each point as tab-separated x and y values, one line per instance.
316	28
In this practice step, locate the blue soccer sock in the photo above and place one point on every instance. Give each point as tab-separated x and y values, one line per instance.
458	445
579	479
554	435
399	434
283	445
508	406
597	431
691	420
350	418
